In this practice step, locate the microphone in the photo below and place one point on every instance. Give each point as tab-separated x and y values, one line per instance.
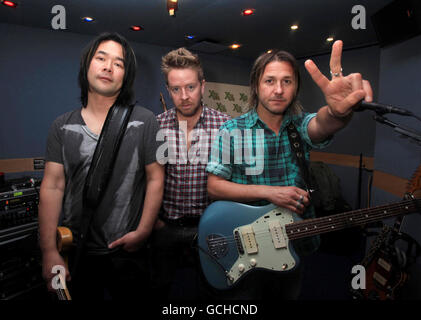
382	108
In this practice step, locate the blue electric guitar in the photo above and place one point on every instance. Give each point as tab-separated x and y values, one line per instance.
235	239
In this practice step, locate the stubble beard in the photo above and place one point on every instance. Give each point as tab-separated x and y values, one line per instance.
190	113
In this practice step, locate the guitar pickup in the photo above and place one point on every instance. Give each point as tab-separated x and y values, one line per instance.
249	239
380	279
276	232
384	264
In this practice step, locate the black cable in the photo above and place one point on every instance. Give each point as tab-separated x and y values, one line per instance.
213	258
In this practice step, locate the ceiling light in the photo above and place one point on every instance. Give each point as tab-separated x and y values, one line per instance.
136	28
88	19
269	51
330	39
189	36
247	12
235	46
172	7
9	3
294	27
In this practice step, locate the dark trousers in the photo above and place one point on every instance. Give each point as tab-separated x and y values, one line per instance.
116	276
175	266
176	273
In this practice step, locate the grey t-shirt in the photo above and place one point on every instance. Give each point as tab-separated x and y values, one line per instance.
71	143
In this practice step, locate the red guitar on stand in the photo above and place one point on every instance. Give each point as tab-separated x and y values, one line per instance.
385	263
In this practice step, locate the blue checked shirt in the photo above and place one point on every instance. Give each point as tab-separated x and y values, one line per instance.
256	155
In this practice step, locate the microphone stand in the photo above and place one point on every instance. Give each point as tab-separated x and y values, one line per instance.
406	132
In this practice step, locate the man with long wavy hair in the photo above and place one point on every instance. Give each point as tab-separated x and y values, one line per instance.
274	86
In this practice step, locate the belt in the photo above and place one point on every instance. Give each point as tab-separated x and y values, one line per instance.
182	222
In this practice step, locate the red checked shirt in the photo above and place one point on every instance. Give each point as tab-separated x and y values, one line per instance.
185	193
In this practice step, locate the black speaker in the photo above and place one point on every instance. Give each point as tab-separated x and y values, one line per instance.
398	21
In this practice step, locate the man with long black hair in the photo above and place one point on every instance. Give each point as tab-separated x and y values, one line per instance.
114	262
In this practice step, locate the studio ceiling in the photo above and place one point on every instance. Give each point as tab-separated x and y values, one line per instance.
215	23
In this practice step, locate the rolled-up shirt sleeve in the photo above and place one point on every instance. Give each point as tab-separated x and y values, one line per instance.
305	136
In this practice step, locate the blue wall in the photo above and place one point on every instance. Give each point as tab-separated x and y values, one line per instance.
38	82
400	85
360	134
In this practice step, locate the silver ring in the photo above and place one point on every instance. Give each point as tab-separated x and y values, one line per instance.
298	205
301	199
336	74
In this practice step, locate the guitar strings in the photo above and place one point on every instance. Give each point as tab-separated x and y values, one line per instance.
326	222
62	295
323	227
358	217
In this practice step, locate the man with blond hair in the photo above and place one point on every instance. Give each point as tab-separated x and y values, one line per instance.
188	129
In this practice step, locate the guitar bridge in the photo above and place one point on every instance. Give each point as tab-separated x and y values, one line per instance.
238	242
217	245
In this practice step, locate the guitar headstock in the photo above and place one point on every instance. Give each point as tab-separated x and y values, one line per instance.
414	185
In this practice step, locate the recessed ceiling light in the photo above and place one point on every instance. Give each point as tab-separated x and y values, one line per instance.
235	46
88	19
330	39
294	27
189	36
136	28
172	7
248	12
10	3
269	51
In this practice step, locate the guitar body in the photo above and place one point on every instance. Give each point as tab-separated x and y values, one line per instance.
383	277
235	239
385	274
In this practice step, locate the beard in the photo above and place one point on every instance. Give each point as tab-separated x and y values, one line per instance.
190	111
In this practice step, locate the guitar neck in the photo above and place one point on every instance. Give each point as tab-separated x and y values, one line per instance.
311	227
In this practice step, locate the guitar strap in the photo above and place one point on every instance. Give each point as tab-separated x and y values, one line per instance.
298	153
100	171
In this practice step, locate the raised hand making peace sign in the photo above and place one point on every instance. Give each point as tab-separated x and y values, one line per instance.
342	93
